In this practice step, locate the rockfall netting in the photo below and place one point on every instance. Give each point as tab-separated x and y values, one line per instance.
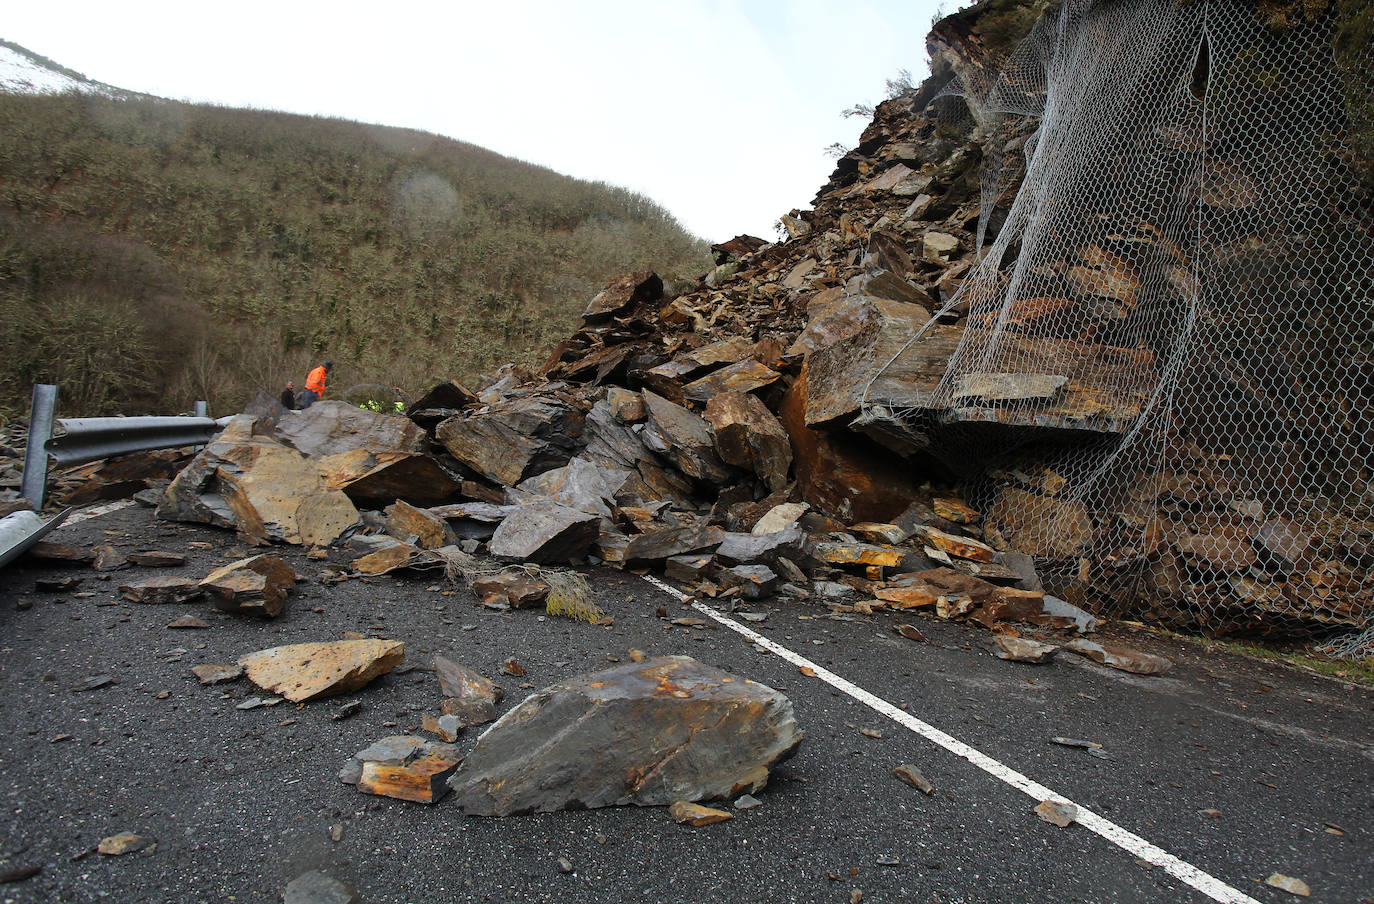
1165	365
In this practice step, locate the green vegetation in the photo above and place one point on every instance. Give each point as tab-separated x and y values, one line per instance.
153	253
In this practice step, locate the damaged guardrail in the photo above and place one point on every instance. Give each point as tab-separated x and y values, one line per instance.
71	441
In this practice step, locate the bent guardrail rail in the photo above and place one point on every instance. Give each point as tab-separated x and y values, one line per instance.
74	441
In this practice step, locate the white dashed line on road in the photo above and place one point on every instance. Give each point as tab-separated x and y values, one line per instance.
1185	872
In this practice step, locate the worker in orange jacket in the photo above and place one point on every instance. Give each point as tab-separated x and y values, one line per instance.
314	385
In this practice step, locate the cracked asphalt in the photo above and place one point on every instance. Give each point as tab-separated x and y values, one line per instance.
1242	768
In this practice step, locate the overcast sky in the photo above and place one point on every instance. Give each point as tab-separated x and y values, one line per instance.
720	110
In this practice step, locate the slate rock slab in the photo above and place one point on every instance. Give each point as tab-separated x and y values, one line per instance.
467	695
311	671
648	733
257	585
544	531
1119	657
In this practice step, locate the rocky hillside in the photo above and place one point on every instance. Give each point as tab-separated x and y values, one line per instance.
1036	348
154	252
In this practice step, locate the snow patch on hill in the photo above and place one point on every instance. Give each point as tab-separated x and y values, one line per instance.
22	74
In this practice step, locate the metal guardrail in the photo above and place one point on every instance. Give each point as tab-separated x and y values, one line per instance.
71	441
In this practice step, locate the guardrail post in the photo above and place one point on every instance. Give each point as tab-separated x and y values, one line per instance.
202	408
36	454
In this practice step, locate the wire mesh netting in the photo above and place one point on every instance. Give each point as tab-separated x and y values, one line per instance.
1166	343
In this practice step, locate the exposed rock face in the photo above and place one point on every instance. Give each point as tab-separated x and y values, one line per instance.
647	733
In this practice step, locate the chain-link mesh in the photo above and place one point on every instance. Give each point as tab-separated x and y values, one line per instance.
1167	338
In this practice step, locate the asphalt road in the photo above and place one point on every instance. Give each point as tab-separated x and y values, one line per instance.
1241	768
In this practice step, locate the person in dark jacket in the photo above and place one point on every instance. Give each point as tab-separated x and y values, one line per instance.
288	396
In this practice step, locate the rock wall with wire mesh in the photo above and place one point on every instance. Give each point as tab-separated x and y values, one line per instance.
1161	382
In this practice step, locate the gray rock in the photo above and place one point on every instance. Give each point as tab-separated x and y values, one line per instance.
396	750
315	887
650	733
544	531
751	549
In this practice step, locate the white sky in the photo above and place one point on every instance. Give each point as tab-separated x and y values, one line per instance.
720	110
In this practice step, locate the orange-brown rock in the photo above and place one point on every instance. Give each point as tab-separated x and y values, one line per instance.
955	510
1037	525
373	479
909	596
312	671
417	527
963	547
160	590
516	589
839	375
744	376
844	476
388	559
858	554
404	767
687	813
423	780
258	586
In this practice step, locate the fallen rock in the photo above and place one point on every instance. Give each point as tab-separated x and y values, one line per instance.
312	671
315	887
446	727
1289	884
754	581
392	556
687	813
400	752
516	589
254	586
1023	649
748	436
913	777
673	541
625	291
188	621
544	531
417	527
515	439
126	843
161	590
263	489
1057	812
211	673
107	558
650	733
332	427
1118	657
376	479
421	776
684	439
467	695
157	559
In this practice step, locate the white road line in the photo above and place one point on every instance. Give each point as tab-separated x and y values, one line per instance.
1185	872
95	512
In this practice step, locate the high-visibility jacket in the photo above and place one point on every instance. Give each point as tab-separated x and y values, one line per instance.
315	382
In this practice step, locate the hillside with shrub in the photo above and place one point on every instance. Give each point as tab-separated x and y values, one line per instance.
155	252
